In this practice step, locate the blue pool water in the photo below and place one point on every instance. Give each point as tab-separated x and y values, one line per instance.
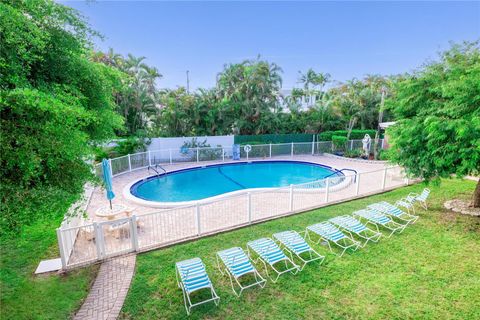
204	182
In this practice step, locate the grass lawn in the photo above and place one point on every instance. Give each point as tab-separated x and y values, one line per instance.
25	296
431	271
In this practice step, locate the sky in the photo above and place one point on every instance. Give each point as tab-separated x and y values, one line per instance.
346	39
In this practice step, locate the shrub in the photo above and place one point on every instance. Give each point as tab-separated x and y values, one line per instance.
355	153
339	143
355	135
273	138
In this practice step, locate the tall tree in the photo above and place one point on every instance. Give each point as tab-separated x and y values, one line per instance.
437	108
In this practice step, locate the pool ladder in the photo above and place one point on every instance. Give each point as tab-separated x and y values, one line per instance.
341	170
155	168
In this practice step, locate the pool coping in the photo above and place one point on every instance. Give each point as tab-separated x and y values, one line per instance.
166	205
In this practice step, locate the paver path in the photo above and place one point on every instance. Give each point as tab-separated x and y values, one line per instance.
108	293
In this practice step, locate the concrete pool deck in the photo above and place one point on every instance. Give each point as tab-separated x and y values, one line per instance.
98	199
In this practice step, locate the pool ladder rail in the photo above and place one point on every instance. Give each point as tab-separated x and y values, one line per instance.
341	171
156	169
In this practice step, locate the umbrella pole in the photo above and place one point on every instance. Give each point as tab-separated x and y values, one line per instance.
110	204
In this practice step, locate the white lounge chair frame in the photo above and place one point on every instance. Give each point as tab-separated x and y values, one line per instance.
366	233
261	257
394	211
322	231
374	217
421	198
182	271
288	240
226	262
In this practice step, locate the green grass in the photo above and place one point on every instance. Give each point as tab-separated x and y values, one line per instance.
431	271
25	296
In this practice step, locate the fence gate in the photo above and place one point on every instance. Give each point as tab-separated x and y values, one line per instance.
116	237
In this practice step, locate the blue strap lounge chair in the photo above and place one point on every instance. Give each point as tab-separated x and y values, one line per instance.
191	277
402	203
270	254
294	244
393	211
377	219
352	226
420	198
236	264
331	234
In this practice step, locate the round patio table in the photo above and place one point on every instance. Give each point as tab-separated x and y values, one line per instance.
110	214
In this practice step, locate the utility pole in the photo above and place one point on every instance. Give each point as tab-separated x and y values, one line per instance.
188	82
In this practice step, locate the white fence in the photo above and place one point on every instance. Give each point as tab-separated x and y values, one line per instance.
143	160
88	243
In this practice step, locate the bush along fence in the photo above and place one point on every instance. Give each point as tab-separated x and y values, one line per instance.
82	242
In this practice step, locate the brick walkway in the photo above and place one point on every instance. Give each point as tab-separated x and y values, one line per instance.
108	293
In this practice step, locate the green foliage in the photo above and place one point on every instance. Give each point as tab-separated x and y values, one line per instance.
339	143
355	135
354	153
188	149
420	278
438	116
273	138
131	145
53	101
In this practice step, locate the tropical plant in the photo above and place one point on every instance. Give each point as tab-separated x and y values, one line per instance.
437	110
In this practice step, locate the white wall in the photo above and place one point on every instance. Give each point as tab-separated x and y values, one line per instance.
177	142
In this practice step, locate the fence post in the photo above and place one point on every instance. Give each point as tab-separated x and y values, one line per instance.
249	207
313	147
99	241
270	149
381	146
62	249
291	151
111	170
291	198
197	216
170	155
357	187
327	186
129	163
247	155
133	226
331	142
198	157
149	158
351	144
223	154
384	178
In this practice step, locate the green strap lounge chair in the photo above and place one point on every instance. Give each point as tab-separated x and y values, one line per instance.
192	277
326	231
270	254
294	244
379	219
352	226
236	264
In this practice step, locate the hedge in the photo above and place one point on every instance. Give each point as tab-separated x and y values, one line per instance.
355	135
273	138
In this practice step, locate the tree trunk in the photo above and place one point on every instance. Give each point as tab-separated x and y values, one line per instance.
476	196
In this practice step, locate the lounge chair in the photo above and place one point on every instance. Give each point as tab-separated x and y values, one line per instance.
393	211
269	253
330	233
191	277
379	219
294	244
351	225
420	198
402	203
236	264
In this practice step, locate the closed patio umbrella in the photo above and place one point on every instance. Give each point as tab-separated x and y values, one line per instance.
107	179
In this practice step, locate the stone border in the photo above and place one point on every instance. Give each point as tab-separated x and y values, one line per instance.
355	159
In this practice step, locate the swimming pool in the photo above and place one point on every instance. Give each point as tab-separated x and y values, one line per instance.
199	183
